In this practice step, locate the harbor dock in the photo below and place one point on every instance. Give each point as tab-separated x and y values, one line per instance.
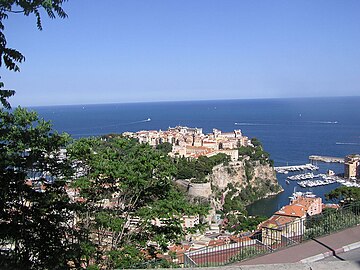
326	159
286	169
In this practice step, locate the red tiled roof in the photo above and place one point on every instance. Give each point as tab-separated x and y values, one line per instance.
276	221
306	202
216	243
293	210
179	248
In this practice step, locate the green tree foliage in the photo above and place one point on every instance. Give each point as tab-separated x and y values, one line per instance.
198	169
238	223
245	151
36	220
234	206
255	142
185	168
345	194
233	203
249	170
236	214
164	147
10	57
332	220
255	153
129	186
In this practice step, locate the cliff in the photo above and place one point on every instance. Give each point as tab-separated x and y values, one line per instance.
245	181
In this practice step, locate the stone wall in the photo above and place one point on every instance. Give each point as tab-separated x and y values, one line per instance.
200	190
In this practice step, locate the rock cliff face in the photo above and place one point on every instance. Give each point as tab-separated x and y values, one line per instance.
247	180
233	173
200	190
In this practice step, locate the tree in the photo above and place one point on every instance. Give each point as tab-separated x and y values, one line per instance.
256	152
164	147
346	194
132	208
10	57
36	217
239	223
255	142
187	168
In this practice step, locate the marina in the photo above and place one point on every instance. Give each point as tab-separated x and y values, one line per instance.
309	180
316	183
304	176
327	181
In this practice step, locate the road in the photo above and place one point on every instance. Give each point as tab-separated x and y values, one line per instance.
352	255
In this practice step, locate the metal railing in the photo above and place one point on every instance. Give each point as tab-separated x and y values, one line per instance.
270	239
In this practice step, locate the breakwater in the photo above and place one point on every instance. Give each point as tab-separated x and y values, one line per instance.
326	159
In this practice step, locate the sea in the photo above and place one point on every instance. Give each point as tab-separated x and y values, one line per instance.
290	129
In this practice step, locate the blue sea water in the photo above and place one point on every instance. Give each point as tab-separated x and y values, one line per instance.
290	129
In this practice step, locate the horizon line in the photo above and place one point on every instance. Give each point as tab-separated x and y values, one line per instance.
179	101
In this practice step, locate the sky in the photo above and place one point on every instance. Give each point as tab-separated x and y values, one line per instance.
115	51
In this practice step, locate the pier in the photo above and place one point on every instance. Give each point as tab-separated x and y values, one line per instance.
286	169
326	159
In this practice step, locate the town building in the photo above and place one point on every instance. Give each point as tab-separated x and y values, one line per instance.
288	223
352	167
285	225
190	221
312	204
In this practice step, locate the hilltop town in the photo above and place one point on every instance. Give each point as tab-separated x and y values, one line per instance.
192	142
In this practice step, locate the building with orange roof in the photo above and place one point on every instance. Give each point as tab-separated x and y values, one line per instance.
176	252
292	210
282	228
312	205
217	242
289	222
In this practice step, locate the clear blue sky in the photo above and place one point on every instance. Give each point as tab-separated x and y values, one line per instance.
113	51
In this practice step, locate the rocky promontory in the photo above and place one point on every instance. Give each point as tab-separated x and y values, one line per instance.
244	180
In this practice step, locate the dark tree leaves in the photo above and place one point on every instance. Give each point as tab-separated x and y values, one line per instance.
10	57
36	218
129	191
